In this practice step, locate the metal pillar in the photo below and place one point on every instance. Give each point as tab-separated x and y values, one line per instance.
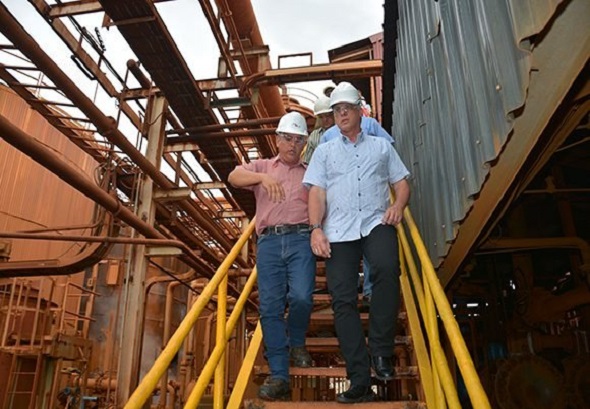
132	337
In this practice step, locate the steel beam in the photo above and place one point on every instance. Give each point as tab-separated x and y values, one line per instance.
106	125
132	336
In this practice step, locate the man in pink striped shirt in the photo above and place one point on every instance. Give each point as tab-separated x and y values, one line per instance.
285	262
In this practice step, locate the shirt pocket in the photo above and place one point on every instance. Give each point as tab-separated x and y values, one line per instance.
338	165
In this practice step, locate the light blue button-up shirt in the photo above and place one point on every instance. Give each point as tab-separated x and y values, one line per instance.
356	177
369	125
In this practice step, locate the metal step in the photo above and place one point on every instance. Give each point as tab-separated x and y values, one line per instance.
328	317
260	404
408	372
330	344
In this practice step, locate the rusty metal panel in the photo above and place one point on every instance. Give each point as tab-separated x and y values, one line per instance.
461	72
32	197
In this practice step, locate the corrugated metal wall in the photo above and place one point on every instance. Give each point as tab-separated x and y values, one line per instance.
462	68
31	197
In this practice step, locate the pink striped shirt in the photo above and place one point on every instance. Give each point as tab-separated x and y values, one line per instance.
292	210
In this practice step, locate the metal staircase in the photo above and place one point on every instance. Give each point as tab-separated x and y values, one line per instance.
317	386
423	377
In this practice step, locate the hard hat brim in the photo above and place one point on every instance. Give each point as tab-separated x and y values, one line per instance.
324	111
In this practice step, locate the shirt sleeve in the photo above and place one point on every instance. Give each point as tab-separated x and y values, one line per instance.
329	134
254	166
374	128
312	143
315	175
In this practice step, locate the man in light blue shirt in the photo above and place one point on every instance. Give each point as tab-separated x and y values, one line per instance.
351	217
369	125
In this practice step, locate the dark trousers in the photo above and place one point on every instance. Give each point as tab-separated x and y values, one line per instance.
380	248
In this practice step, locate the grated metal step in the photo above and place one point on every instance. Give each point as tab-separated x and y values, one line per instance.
260	404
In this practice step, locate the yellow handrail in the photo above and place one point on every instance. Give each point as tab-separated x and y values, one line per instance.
235	400
424	365
207	372
220	337
473	384
437	381
150	380
440	369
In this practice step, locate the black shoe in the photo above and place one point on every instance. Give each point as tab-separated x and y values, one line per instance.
300	357
357	394
275	389
383	366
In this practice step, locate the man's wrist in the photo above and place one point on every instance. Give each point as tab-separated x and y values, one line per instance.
315	226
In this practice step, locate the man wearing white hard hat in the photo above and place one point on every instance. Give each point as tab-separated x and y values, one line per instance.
285	262
351	216
371	127
325	119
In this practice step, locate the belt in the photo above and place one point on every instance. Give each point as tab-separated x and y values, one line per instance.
281	229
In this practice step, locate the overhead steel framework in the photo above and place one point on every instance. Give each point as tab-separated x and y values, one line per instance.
202	211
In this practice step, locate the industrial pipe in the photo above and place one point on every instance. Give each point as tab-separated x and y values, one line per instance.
241	124
247	27
47	158
96	239
166	337
106	126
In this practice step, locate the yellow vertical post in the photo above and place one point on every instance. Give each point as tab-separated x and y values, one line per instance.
424	364
150	380
477	395
441	368
219	385
195	395
235	400
439	362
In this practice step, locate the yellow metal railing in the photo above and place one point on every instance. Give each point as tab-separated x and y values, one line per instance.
423	291
437	381
150	380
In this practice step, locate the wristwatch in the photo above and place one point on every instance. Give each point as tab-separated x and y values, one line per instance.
312	227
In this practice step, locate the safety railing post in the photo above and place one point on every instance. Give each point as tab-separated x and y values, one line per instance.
473	384
424	364
219	385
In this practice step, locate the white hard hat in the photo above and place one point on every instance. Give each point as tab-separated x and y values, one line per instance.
344	92
294	123
322	106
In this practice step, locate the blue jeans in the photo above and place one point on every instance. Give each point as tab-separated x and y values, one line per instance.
286	275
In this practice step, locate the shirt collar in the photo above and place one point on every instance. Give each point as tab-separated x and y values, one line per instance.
359	138
276	160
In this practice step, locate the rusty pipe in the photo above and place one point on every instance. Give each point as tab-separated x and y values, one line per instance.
246	25
166	337
171	388
106	126
241	124
95	239
47	158
230	134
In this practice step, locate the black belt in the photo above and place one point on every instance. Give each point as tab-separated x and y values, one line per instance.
281	229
